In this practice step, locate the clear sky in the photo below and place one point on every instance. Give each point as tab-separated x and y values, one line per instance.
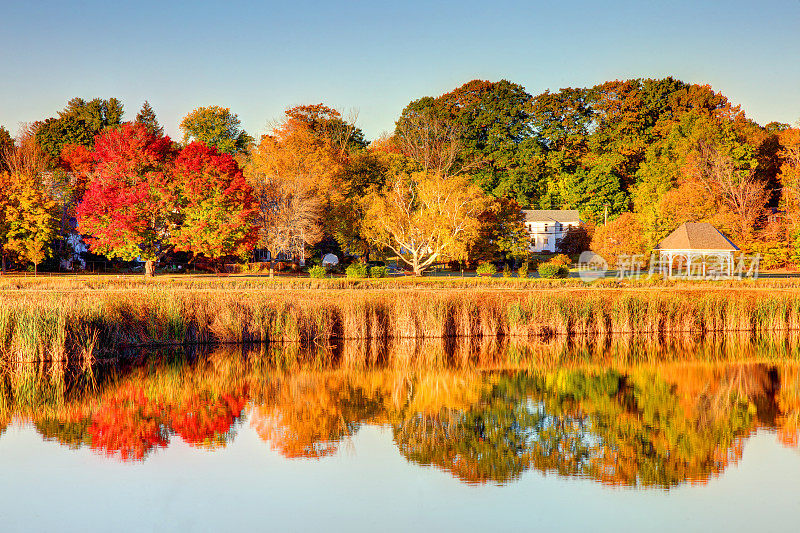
259	58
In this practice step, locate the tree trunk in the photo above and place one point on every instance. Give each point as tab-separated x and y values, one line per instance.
416	267
35	269
149	268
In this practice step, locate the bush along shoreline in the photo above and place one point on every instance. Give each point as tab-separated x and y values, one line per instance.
48	326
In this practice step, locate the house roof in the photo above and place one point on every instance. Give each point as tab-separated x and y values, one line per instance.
697	236
551	215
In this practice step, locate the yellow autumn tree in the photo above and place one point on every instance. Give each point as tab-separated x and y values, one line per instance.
30	218
428	210
425	217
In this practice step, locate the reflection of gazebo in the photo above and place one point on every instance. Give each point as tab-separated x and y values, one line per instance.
697	241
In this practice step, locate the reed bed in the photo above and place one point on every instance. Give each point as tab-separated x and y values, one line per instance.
57	326
123	282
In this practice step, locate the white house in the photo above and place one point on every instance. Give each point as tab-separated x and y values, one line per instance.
547	226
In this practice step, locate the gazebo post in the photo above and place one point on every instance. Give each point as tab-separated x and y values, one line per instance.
689	265
670	264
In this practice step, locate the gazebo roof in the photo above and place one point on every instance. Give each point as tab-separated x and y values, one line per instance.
697	236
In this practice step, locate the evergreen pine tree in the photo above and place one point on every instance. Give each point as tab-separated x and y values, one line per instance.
148	117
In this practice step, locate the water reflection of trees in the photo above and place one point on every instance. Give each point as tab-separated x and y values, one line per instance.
483	412
628	429
129	410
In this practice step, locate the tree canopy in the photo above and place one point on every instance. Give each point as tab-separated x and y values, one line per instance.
216	126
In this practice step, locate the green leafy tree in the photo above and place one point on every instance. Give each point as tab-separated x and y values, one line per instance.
78	124
594	190
218	127
495	135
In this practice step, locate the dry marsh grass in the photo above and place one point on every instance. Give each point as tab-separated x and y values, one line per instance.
52	325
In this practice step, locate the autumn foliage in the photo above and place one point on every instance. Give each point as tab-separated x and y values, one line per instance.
128	206
216	203
143	198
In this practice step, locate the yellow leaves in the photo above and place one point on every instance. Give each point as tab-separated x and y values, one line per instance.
29	217
425	217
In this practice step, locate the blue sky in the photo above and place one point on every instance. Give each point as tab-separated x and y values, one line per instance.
259	58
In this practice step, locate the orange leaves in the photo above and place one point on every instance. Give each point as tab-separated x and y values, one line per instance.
622	235
297	176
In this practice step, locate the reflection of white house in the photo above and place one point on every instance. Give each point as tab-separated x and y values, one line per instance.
547	226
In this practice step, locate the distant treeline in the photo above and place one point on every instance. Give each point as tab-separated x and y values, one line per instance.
644	155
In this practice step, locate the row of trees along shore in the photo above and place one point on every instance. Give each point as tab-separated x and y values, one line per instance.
635	157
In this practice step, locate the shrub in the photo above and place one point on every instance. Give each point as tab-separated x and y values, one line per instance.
551	270
317	272
377	272
522	271
356	270
506	271
486	269
561	260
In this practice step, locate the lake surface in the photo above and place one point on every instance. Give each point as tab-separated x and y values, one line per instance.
695	436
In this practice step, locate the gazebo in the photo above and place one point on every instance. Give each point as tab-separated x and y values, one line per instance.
697	241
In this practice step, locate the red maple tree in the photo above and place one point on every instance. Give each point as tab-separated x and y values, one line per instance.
216	203
128	208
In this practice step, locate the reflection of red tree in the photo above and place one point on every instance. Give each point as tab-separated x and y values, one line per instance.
204	421
128	425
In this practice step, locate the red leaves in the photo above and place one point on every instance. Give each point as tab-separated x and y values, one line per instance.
128	199
200	168
131	149
143	197
217	205
127	426
203	421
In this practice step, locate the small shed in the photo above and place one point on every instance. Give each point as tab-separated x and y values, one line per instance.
697	241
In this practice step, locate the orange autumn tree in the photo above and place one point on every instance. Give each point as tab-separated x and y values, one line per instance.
621	236
296	173
216	203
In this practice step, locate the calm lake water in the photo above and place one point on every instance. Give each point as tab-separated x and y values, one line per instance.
621	436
